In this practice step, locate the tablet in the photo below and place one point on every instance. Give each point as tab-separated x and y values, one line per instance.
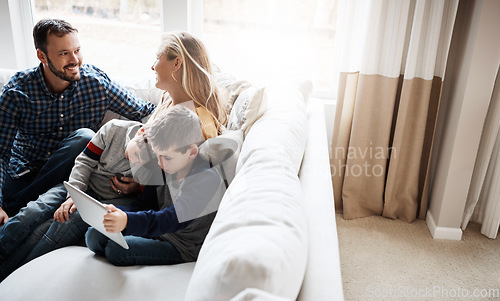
92	212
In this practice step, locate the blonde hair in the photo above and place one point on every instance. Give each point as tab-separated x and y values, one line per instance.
197	77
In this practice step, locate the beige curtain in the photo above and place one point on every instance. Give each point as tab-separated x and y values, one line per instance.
392	59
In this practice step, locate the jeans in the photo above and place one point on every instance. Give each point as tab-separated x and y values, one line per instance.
18	192
142	251
23	231
58	235
18	258
32	232
19	227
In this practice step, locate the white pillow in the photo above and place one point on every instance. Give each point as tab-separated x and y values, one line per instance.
224	150
229	88
248	107
259	236
5	75
142	88
282	126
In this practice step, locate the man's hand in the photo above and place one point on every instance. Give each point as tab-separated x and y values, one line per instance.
3	217
62	213
115	220
124	185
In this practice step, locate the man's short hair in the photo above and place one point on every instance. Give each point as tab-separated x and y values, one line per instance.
45	27
178	127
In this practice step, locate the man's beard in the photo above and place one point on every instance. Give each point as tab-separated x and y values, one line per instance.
61	74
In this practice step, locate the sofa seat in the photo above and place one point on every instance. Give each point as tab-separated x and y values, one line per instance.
75	273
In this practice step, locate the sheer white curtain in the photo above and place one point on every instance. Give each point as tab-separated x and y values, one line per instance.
483	199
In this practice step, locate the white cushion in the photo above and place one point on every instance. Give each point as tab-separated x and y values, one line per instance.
242	100
229	88
248	107
142	88
75	273
259	236
5	75
224	150
305	87
282	127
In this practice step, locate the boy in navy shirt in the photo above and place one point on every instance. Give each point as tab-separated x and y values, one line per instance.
175	218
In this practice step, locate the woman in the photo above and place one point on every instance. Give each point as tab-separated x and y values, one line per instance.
183	69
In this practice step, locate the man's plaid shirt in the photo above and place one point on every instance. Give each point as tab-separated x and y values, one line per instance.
33	121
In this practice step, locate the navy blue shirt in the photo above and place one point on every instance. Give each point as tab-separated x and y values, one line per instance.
34	121
200	187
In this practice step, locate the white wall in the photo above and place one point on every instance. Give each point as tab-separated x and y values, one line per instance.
7	51
467	91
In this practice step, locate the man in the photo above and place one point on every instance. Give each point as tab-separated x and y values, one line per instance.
49	113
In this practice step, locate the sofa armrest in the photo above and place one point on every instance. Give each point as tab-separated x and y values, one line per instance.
322	278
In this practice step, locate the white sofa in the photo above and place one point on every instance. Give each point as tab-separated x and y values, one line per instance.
274	236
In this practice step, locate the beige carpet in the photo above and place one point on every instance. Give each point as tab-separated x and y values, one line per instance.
384	259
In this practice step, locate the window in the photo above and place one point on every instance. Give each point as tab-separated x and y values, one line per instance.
257	40
121	37
263	40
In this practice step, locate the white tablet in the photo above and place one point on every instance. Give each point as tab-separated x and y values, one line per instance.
92	212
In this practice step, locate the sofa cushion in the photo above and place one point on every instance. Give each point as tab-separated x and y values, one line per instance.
75	273
143	88
5	75
282	127
242	100
224	150
229	88
259	236
247	108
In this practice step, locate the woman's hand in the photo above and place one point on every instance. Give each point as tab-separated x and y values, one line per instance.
124	185
62	213
115	220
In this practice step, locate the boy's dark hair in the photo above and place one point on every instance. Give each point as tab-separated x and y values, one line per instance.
45	27
178	127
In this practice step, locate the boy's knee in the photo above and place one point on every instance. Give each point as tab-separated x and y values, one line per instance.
92	239
76	142
82	136
116	255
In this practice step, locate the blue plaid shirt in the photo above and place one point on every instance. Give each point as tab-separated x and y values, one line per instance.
33	121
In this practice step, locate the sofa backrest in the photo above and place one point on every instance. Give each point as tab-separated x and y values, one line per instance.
5	75
259	236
